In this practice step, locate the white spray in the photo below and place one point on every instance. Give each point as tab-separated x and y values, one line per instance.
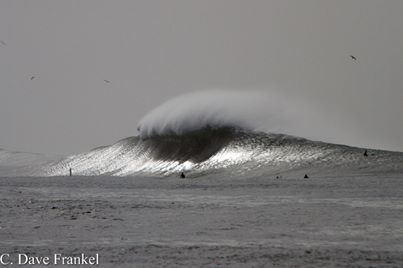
250	110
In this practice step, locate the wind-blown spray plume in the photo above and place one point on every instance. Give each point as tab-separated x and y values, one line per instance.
212	108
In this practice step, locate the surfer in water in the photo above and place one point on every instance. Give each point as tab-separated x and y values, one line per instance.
366	153
183	175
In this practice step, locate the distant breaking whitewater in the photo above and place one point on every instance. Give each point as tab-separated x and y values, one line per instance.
205	134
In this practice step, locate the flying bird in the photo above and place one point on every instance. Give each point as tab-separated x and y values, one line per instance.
3	43
32	78
353	57
107	81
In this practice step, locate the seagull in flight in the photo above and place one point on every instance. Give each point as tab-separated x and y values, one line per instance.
32	78
353	57
3	43
107	81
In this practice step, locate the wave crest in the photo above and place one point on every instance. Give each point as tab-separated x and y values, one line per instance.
207	109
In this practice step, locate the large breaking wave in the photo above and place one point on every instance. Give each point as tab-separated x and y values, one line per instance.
215	132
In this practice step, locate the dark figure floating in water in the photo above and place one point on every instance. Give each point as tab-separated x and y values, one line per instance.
366	153
183	175
306	176
71	172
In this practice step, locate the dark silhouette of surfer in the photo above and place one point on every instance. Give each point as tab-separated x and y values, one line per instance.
306	176
366	153
71	172
183	175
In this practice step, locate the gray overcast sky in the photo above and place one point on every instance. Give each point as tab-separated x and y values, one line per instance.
153	50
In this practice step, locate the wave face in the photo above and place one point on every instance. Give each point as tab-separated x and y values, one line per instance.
228	150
